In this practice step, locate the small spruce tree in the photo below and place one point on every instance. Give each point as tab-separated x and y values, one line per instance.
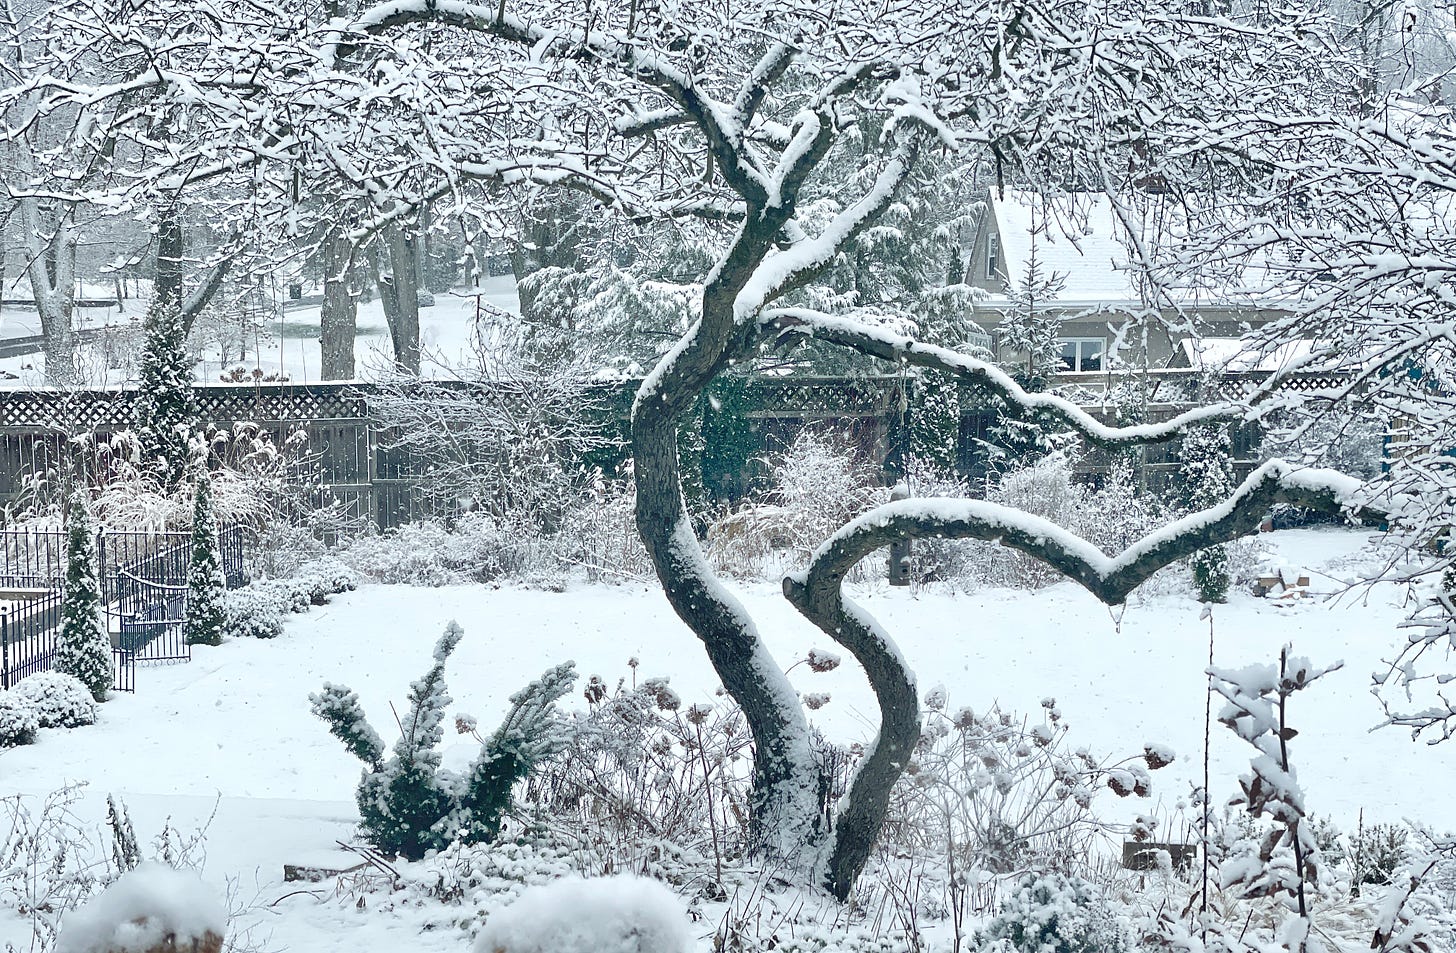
166	414
85	647
407	804
1208	474
205	580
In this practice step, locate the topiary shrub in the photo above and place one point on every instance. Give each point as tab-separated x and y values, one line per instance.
250	613
1053	913
18	721
408	805
85	646
206	583
58	700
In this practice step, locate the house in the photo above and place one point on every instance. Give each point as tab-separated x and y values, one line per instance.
1070	259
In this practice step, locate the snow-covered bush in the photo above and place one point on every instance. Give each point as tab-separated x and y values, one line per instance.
58	700
480	548
252	612
638	762
1053	913
820	483
1002	793
1208	475
407	804
149	909
206	583
599	536
622	914
18	720
257	610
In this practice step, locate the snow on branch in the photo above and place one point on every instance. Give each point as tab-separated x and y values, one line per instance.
889	346
1109	578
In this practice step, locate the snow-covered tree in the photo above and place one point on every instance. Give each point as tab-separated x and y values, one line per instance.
743	120
84	649
206	584
1208	478
166	413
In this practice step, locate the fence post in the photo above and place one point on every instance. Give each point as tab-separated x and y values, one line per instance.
900	548
4	646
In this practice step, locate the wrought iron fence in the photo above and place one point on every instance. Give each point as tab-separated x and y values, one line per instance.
143	580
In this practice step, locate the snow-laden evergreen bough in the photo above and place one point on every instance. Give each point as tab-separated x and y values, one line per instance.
409	805
84	649
206	583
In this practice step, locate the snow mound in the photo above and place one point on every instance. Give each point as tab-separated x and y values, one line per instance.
601	915
145	908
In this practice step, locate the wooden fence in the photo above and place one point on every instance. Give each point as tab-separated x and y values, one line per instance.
348	458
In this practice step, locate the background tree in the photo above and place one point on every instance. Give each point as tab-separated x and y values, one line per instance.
84	649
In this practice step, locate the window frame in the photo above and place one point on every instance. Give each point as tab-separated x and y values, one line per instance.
1100	344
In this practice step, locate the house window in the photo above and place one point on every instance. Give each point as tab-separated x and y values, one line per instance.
993	255
1082	354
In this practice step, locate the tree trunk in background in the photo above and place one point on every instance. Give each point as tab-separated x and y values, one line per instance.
167	286
399	293
338	318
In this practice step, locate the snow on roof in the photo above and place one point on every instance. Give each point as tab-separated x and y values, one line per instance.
1077	240
1083	239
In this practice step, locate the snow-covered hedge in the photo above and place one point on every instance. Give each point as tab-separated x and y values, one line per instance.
18	721
257	611
479	548
58	700
252	612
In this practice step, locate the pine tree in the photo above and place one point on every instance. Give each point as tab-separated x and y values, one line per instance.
205	580
407	804
1208	474
166	414
85	647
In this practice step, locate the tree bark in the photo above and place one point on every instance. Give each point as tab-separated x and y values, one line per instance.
337	319
399	293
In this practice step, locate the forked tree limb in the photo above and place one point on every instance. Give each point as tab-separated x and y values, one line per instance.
818	594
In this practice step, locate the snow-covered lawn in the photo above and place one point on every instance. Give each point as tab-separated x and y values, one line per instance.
231	731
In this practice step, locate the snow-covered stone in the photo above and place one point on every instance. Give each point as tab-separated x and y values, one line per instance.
150	909
600	915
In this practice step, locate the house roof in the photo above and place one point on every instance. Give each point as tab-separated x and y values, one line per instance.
1089	244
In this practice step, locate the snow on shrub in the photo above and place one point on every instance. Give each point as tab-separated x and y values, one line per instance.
599	915
252	613
152	907
58	700
1053	913
257	611
18	720
408	805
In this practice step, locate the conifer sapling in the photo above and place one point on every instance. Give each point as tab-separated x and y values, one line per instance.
407	804
85	646
166	414
206	583
1209	474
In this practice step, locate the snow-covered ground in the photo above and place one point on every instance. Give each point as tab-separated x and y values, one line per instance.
288	344
231	731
